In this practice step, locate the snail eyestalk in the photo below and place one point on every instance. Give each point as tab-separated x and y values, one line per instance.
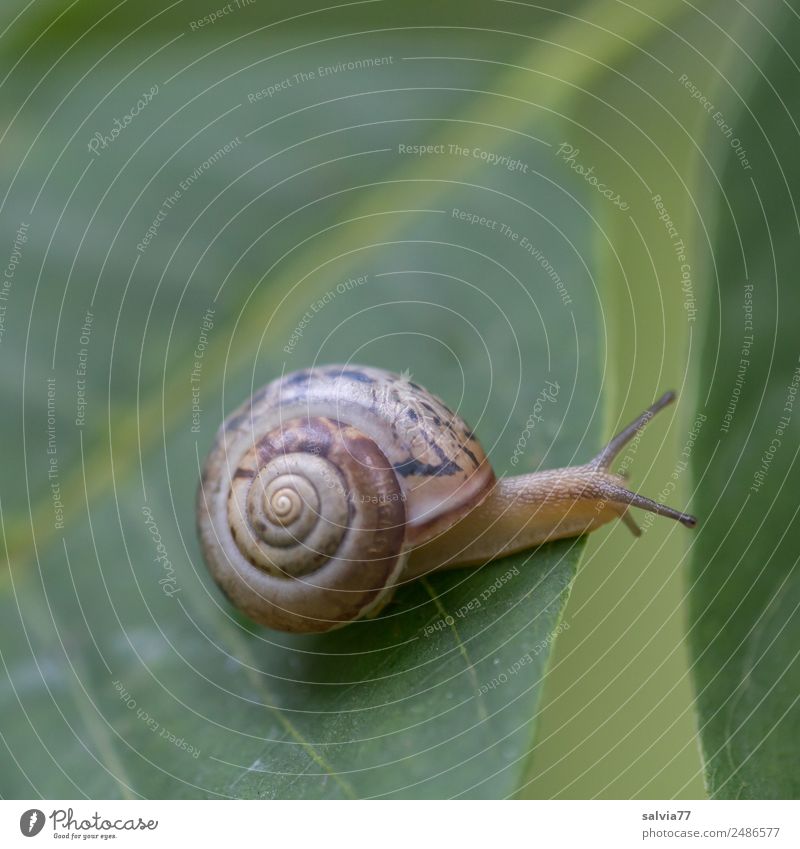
604	459
617	493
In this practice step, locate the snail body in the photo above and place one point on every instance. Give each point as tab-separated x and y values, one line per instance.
331	486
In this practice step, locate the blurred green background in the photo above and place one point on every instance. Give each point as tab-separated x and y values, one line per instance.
270	170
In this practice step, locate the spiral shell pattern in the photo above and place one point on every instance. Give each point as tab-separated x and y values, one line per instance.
309	527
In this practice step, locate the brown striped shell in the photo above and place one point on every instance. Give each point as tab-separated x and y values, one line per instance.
317	486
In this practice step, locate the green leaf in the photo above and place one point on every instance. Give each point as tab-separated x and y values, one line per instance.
745	598
114	688
618	717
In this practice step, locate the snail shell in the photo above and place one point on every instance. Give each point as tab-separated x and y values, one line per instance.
318	486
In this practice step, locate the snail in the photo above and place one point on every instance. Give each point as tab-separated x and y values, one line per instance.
333	485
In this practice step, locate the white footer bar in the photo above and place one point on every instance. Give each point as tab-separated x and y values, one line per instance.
405	825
